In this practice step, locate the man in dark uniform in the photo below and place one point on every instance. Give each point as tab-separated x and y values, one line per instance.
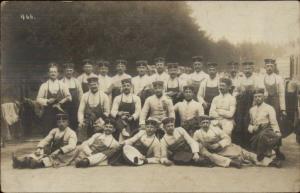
93	109
75	91
126	109
87	71
52	95
174	86
209	87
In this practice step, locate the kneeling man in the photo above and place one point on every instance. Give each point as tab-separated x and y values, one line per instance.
55	150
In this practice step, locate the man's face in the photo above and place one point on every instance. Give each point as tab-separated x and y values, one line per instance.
169	128
212	72
94	86
88	68
158	90
142	70
223	87
160	67
188	70
233	69
120	68
205	124
248	70
69	72
108	129
258	98
151	69
126	87
173	72
198	66
103	70
269	68
188	94
150	130
62	124
53	73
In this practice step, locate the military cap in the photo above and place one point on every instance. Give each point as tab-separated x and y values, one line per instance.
52	64
159	60
227	81
141	63
87	62
197	58
168	120
68	65
158	83
102	63
110	121
269	61
212	64
62	116
152	121
251	63
232	63
121	61
259	91
172	65
92	78
188	86
126	80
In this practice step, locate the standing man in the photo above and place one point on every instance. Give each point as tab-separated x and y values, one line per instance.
248	83
264	127
274	85
198	75
76	93
160	75
115	88
223	107
174	86
142	83
52	95
209	87
87	71
157	106
105	80
126	109
188	109
93	109
233	74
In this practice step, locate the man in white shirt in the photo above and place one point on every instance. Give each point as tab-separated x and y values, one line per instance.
76	93
174	85
52	95
274	85
93	108
234	75
223	107
115	88
157	106
264	128
160	74
248	83
98	148
126	109
209	87
87	71
141	83
105	80
198	75
188	109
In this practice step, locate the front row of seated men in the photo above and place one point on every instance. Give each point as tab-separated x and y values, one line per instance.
209	145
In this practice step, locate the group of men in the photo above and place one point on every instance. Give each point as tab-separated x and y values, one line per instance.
190	118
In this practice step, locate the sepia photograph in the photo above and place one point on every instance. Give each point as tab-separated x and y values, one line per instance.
150	96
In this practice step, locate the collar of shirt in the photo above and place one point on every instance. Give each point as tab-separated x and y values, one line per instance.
188	102
53	85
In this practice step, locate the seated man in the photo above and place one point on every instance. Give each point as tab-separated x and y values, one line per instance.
223	106
98	148
94	107
126	109
217	141
188	109
264	127
146	142
178	147
55	150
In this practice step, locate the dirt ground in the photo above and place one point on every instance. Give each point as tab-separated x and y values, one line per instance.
152	178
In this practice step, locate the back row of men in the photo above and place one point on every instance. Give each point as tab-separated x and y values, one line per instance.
228	98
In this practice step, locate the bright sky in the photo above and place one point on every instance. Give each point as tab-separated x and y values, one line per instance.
274	22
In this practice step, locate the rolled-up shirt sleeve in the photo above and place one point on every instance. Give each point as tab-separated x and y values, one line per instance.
232	107
171	112
273	120
164	150
193	144
134	138
42	95
47	140
138	107
156	153
145	111
106	104
115	106
71	143
81	108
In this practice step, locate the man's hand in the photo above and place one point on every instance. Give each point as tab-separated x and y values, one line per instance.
55	153
196	157
39	151
215	146
51	101
205	105
278	133
130	118
81	125
283	113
